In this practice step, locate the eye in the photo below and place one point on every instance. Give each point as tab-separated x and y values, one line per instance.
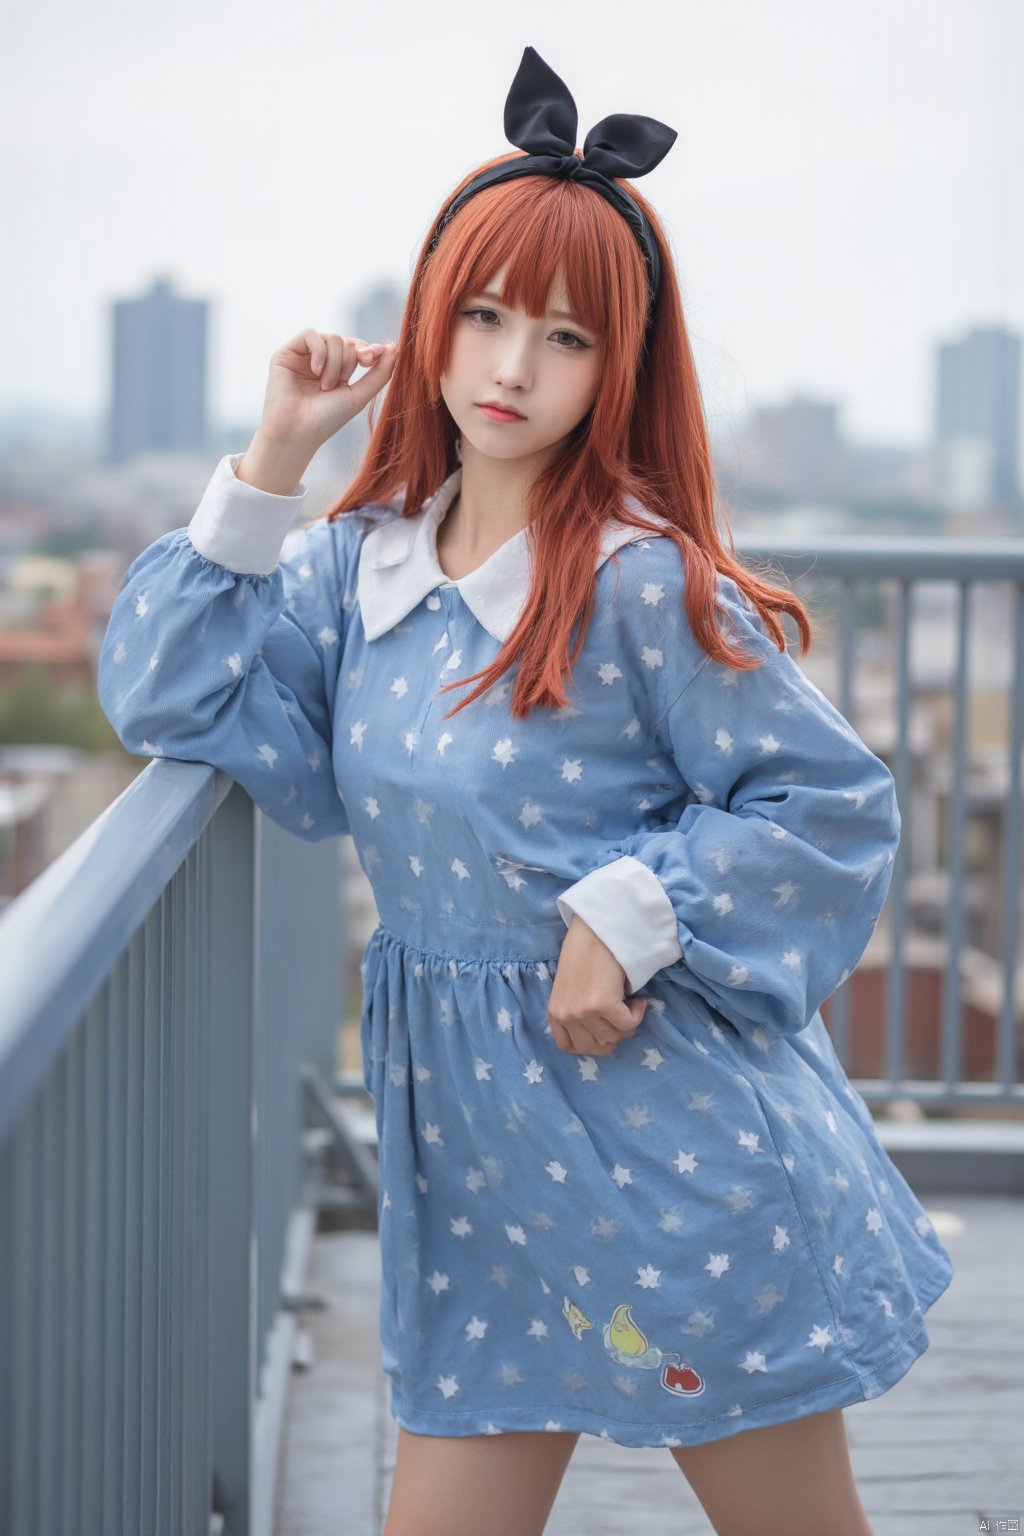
573	344
579	344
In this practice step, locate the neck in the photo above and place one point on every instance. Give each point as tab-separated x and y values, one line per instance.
491	504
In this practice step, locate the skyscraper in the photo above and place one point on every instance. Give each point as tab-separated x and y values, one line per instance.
158	397
977	416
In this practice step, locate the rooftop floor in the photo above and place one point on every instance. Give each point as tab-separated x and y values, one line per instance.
937	1454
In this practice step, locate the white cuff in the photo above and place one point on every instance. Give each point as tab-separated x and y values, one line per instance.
239	526
630	911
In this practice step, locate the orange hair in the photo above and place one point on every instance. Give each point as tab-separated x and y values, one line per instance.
645	436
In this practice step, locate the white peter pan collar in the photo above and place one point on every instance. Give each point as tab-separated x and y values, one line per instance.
398	566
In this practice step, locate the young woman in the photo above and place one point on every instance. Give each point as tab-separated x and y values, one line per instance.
626	1187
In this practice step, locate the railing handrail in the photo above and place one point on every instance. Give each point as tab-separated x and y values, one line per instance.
61	936
893	556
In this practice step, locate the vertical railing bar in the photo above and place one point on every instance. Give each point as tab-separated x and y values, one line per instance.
26	1218
92	1408
165	1025
148	1380
896	1018
232	1225
50	1313
958	791
1008	1065
201	1178
72	1195
178	1155
131	1469
9	1235
114	1323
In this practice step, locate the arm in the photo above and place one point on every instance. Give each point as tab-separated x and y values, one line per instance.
217	651
764	894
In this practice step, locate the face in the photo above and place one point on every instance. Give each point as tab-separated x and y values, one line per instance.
547	370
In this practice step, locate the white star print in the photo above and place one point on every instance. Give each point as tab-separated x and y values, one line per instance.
648	1277
448	1385
475	1329
557	1172
621	1175
717	1265
437	1282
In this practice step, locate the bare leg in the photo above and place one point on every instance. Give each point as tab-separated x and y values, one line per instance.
501	1485
790	1479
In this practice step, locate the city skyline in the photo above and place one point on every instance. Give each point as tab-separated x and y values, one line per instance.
840	203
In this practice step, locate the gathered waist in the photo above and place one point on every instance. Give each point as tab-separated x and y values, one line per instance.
465	938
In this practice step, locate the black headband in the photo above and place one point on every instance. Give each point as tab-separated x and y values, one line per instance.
541	118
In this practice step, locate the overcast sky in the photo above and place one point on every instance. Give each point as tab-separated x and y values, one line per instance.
845	191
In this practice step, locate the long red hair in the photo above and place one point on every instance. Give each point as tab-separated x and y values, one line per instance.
644	437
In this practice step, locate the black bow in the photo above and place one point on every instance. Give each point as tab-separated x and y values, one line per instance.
541	118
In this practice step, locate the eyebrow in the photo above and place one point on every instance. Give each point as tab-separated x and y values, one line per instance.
554	314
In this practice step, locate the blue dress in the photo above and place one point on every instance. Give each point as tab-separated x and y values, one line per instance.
698	1233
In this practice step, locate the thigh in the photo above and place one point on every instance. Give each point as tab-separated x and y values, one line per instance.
464	1485
790	1479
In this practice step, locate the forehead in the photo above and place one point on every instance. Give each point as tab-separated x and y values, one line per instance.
559	307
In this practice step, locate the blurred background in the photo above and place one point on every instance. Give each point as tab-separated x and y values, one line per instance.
185	190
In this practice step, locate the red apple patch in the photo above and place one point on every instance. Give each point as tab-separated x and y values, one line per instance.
682	1380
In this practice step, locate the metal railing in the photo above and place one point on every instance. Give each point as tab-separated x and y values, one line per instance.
172	983
167	984
899	567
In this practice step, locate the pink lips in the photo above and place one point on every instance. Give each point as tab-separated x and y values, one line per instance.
497	414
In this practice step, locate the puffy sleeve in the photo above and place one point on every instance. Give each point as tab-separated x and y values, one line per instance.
763	895
218	651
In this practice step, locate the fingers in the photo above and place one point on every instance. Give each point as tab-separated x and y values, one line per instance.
333	359
597	1033
338	357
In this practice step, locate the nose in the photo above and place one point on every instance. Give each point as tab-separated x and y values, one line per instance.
512	364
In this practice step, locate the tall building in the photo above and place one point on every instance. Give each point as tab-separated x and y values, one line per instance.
977	418
796	449
158	395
